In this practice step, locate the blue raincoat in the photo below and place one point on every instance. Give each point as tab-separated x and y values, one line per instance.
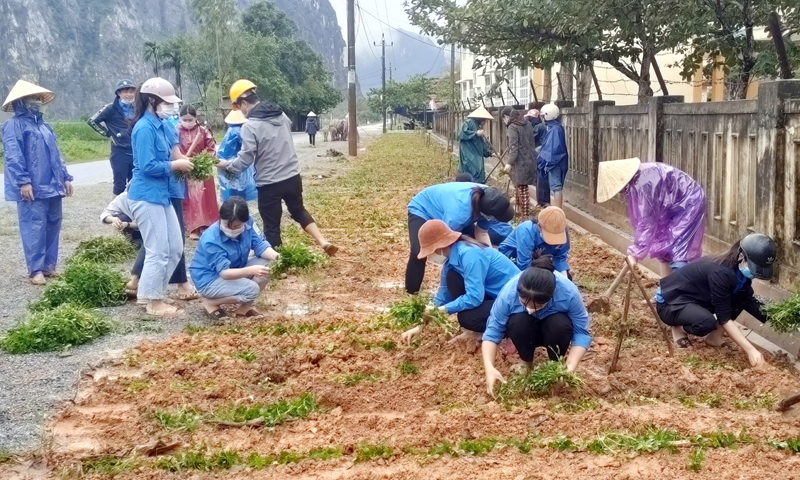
242	184
554	149
32	158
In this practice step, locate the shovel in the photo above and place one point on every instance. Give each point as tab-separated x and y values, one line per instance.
603	304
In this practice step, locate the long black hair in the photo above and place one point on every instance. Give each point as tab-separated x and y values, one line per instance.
729	259
140	103
476	196
537	282
234	208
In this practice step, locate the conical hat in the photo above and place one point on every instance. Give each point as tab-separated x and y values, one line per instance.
612	176
24	89
481	112
235	117
311	114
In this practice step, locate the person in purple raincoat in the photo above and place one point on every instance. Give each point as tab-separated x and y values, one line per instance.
666	207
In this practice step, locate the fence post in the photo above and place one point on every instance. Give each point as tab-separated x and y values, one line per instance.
655	126
593	124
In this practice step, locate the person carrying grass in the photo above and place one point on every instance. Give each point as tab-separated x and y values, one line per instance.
549	233
538	307
222	269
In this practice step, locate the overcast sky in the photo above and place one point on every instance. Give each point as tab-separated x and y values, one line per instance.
370	28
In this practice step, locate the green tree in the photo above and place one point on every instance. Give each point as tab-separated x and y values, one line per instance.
174	53
264	17
152	54
413	94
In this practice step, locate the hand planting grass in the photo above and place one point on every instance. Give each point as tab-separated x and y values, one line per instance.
104	250
272	414
65	326
85	283
784	316
295	257
204	164
537	382
367	451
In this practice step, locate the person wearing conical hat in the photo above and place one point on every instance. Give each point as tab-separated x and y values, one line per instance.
666	208
242	184
312	127
35	177
473	145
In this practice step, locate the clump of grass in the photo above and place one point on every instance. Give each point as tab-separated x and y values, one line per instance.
204	164
367	451
294	257
195	460
696	459
720	439
441	449
109	465
479	446
273	414
409	312
62	327
85	283
388	345
784	316
650	440
327	453
191	329
791	444
104	250
245	355
279	329
537	382
766	401
351	379
183	420
712	400
202	357
573	407
562	443
589	282
258	462
695	361
5	456
407	367
136	386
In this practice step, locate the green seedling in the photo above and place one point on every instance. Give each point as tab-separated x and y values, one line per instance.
192	329
441	449
272	414
696	459
409	312
562	443
650	440
407	367
368	451
388	345
791	444
104	250
109	466
85	283
784	316
351	379
204	164
478	446
574	407
183	420
537	382
65	326
765	401
294	257
136	386
245	355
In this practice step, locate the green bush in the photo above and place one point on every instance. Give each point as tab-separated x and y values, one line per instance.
104	250
84	283
48	330
294	256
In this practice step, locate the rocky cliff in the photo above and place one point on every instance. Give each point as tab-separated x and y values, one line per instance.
80	48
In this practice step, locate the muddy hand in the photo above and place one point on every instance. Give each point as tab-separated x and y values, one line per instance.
408	336
493	375
755	358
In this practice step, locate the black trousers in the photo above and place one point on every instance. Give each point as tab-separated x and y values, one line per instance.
179	275
271	209
694	319
415	270
312	138
121	168
554	333
542	188
474	319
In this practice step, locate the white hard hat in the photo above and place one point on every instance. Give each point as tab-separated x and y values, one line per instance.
161	88
549	112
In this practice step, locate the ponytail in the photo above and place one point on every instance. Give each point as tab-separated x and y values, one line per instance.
729	259
141	103
537	283
477	195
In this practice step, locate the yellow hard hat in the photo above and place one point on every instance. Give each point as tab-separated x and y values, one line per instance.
239	87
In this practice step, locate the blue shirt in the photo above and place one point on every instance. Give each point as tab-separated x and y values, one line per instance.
526	239
177	186
485	271
566	299
151	165
449	202
501	229
217	252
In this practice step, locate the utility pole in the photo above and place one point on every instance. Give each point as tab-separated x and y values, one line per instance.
390	80
451	138
383	77
352	131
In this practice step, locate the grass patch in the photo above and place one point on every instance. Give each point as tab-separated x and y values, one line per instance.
6	456
650	440
720	439
65	326
259	462
245	355
562	443
86	283
368	451
273	414
537	382
791	444
407	367
191	329
711	400
279	329
78	142
441	449
574	407
479	446
136	386
765	400
784	316
222	460
104	250
295	257
184	420
696	459
695	361
589	282
351	379
388	345
108	466
202	357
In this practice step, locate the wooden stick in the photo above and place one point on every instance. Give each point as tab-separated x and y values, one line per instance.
788	402
659	324
617	281
623	325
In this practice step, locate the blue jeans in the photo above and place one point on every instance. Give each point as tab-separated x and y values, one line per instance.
163	244
179	275
245	290
40	227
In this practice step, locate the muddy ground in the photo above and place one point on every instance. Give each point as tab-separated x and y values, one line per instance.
149	415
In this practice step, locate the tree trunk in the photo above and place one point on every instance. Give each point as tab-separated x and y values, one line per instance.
584	85
547	89
567	81
645	89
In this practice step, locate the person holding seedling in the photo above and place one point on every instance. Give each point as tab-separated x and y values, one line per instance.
222	269
550	234
538	307
200	204
704	297
472	275
464	207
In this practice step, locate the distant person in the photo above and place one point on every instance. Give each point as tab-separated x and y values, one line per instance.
267	143
200	205
553	158
548	234
473	145
539	129
242	184
35	176
311	128
520	158
113	122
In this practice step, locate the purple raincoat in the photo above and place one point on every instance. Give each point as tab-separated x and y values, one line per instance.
667	210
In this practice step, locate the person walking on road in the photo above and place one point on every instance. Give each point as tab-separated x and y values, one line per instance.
473	146
520	159
553	160
35	177
312	128
267	143
112	121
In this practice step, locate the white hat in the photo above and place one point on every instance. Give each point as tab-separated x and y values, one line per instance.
235	117
612	176
481	112
311	114
161	88
25	89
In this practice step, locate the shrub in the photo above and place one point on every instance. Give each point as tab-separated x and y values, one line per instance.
47	330
84	283
104	250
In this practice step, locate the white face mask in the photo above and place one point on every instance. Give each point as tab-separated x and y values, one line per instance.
165	110
531	311
437	259
189	125
231	233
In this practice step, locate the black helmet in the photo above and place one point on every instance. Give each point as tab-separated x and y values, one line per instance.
760	252
124	83
495	204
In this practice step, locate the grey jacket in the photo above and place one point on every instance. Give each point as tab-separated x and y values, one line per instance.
267	143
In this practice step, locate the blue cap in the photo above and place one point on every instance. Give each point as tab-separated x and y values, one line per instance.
124	84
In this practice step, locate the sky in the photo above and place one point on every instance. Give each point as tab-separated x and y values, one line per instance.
367	26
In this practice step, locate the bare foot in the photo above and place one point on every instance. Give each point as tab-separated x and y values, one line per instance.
38	279
163	310
465	336
715	338
330	249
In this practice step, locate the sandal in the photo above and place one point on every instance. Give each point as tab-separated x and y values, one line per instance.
330	249
217	314
131	292
167	311
683	342
252	313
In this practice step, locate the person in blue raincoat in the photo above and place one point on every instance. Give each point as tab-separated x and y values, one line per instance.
473	145
35	177
548	234
553	157
242	184
112	122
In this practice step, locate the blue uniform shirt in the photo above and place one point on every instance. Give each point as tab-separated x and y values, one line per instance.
151	166
526	239
566	299
177	186
217	252
449	202
485	271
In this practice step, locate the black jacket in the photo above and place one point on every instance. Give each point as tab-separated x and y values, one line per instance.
711	286
110	121
539	130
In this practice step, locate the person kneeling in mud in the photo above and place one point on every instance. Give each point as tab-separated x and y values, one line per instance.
222	269
539	307
472	275
704	296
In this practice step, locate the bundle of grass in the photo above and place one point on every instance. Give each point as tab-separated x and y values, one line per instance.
409	312
48	330
784	316
538	382
104	250
84	283
294	257
204	164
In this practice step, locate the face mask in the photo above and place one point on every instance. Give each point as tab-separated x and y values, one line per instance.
746	272
437	259
33	104
165	110
189	125
126	102
231	233
531	311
